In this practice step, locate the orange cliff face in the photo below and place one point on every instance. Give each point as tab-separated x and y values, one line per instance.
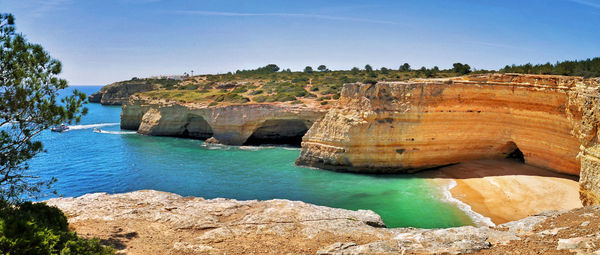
407	126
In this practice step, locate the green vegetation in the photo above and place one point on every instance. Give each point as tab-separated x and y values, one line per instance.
586	68
40	229
29	87
231	98
273	84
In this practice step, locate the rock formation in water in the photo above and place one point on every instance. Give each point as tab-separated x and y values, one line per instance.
234	124
153	222
547	121
118	93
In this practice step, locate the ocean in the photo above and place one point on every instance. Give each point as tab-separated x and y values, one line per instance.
116	161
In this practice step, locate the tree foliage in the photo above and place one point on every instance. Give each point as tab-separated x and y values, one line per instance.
40	229
29	104
268	69
461	68
404	67
585	68
322	68
308	69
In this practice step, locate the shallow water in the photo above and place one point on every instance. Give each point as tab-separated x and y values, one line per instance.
114	161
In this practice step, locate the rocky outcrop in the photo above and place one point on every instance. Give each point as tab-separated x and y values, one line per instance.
233	124
118	93
547	121
153	222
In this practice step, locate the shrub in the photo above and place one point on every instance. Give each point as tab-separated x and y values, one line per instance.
40	229
369	81
231	98
239	90
324	102
256	92
190	87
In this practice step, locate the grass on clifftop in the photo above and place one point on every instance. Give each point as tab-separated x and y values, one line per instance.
268	84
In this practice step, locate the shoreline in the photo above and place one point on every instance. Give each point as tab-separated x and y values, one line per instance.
500	191
477	218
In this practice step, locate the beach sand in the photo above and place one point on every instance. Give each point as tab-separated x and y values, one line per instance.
506	190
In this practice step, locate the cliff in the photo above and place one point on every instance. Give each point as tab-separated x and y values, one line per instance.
153	222
546	121
118	93
236	124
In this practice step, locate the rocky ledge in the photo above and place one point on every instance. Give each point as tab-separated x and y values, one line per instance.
153	222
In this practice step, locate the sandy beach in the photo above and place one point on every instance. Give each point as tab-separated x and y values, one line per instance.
506	190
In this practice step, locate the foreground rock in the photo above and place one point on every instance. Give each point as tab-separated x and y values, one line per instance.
153	222
546	121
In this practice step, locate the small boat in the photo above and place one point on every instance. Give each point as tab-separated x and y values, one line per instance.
60	128
97	130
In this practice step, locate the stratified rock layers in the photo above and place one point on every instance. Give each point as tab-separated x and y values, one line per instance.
408	126
233	124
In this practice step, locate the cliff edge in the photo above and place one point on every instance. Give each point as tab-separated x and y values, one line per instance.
118	93
543	120
235	124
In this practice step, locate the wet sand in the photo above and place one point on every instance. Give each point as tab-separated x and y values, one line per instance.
506	190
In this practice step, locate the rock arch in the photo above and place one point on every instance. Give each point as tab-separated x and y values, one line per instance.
279	131
196	127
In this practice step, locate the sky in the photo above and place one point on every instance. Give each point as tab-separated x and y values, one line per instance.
103	41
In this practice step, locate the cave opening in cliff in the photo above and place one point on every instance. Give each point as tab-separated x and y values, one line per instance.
282	131
512	151
197	128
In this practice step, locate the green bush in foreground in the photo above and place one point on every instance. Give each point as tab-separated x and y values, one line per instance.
40	229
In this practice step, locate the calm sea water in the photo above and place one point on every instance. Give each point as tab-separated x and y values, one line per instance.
117	161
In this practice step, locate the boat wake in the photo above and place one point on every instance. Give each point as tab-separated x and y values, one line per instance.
100	131
90	126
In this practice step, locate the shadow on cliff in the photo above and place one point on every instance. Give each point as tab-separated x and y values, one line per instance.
489	168
118	239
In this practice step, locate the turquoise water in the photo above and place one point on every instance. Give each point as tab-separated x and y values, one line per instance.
116	161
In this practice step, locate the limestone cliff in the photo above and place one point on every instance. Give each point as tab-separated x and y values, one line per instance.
547	121
153	222
118	93
232	124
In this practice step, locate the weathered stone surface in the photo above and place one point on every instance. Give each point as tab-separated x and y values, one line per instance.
118	93
234	124
153	222
408	126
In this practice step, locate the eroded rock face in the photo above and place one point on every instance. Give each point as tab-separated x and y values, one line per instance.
118	93
233	125
408	126
153	222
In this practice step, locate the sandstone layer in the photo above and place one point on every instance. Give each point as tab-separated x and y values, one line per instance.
547	121
153	222
118	93
233	124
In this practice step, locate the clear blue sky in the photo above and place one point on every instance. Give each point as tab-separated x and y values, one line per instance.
103	41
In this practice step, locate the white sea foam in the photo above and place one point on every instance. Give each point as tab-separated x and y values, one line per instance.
115	132
477	218
90	126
